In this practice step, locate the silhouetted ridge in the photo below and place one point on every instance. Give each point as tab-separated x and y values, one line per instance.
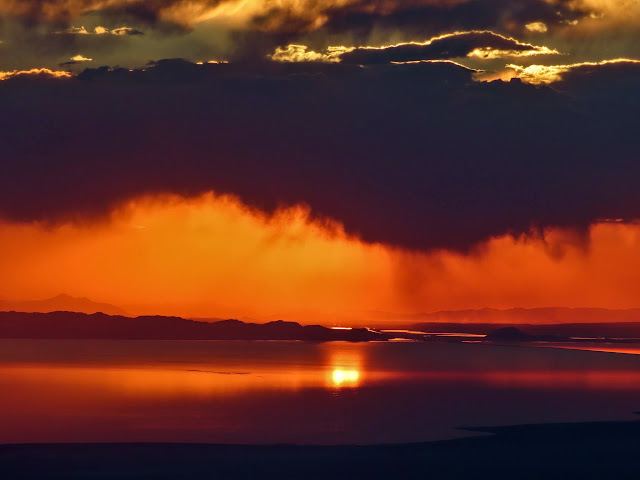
73	325
61	302
606	327
509	334
513	334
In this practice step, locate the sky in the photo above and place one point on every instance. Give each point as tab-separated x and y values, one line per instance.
320	161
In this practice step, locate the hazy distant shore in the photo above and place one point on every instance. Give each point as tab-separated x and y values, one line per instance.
76	325
574	450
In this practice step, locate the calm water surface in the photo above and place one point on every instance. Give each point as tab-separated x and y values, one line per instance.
295	392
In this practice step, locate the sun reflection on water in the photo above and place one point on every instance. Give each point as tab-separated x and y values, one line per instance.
345	377
244	392
346	366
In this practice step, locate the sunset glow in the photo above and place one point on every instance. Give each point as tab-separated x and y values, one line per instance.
212	256
307	238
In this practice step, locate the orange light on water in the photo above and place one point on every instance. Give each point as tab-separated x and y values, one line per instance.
345	378
346	365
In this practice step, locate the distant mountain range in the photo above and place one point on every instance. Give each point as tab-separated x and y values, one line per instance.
54	318
61	303
554	321
74	325
544	315
605	330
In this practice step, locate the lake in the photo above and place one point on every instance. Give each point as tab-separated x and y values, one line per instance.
297	392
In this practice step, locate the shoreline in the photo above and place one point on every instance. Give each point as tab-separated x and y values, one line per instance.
562	450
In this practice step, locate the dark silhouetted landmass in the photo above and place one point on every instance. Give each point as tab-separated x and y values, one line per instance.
587	330
77	325
542	315
61	302
561	322
513	334
73	325
555	451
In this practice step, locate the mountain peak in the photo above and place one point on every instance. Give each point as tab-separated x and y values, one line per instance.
61	302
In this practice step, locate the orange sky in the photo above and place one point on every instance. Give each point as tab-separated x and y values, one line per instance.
211	256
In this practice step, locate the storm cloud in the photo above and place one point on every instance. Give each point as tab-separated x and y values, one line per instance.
414	155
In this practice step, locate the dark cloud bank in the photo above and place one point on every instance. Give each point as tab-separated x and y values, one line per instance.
416	155
426	18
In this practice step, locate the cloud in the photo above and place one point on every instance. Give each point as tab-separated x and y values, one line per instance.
34	72
100	30
212	256
30	44
431	17
249	30
353	17
537	27
308	15
80	58
74	31
548	74
180	11
481	44
301	53
124	31
416	155
607	14
75	60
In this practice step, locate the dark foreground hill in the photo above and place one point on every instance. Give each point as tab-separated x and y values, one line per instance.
73	325
561	451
